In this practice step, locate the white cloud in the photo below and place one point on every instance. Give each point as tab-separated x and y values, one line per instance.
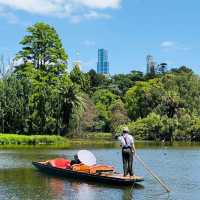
75	9
171	45
91	15
33	6
96	15
101	3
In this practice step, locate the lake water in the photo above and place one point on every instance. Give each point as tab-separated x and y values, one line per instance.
178	165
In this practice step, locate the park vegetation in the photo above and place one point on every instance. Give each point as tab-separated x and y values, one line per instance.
41	97
14	139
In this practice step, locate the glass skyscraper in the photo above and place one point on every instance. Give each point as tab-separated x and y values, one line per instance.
103	64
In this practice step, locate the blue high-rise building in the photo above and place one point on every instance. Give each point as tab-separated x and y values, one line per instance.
103	64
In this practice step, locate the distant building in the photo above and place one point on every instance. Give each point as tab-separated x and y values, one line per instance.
103	64
151	65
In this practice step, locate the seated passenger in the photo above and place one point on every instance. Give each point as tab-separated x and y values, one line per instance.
75	161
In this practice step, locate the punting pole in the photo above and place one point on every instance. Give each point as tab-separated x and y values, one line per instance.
152	173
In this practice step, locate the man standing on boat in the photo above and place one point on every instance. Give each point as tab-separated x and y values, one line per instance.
128	150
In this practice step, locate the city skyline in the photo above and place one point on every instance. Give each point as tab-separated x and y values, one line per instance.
7	64
130	30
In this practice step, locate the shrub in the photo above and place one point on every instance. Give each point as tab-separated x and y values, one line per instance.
148	128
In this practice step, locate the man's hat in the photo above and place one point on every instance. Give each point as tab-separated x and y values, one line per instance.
125	129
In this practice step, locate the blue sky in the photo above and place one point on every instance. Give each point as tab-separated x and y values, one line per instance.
129	29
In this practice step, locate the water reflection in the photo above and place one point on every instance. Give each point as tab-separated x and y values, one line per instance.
57	188
80	190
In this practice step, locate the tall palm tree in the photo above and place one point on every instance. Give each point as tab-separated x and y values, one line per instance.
72	106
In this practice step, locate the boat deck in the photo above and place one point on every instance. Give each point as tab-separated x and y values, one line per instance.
120	176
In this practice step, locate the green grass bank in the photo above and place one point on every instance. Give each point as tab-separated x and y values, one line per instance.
14	139
54	141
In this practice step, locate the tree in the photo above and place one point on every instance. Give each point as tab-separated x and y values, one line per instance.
55	103
136	76
89	119
162	68
170	104
43	48
80	78
143	98
72	106
103	100
96	80
148	128
187	88
125	81
14	104
118	115
104	97
182	69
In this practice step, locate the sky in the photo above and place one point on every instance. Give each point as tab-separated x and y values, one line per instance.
129	29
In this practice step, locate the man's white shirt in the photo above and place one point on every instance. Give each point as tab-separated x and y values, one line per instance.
126	140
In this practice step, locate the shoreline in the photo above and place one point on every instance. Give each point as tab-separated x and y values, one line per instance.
12	141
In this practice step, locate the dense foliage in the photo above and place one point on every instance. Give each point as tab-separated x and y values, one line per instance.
41	97
166	108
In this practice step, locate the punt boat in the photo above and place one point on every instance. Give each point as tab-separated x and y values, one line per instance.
100	177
